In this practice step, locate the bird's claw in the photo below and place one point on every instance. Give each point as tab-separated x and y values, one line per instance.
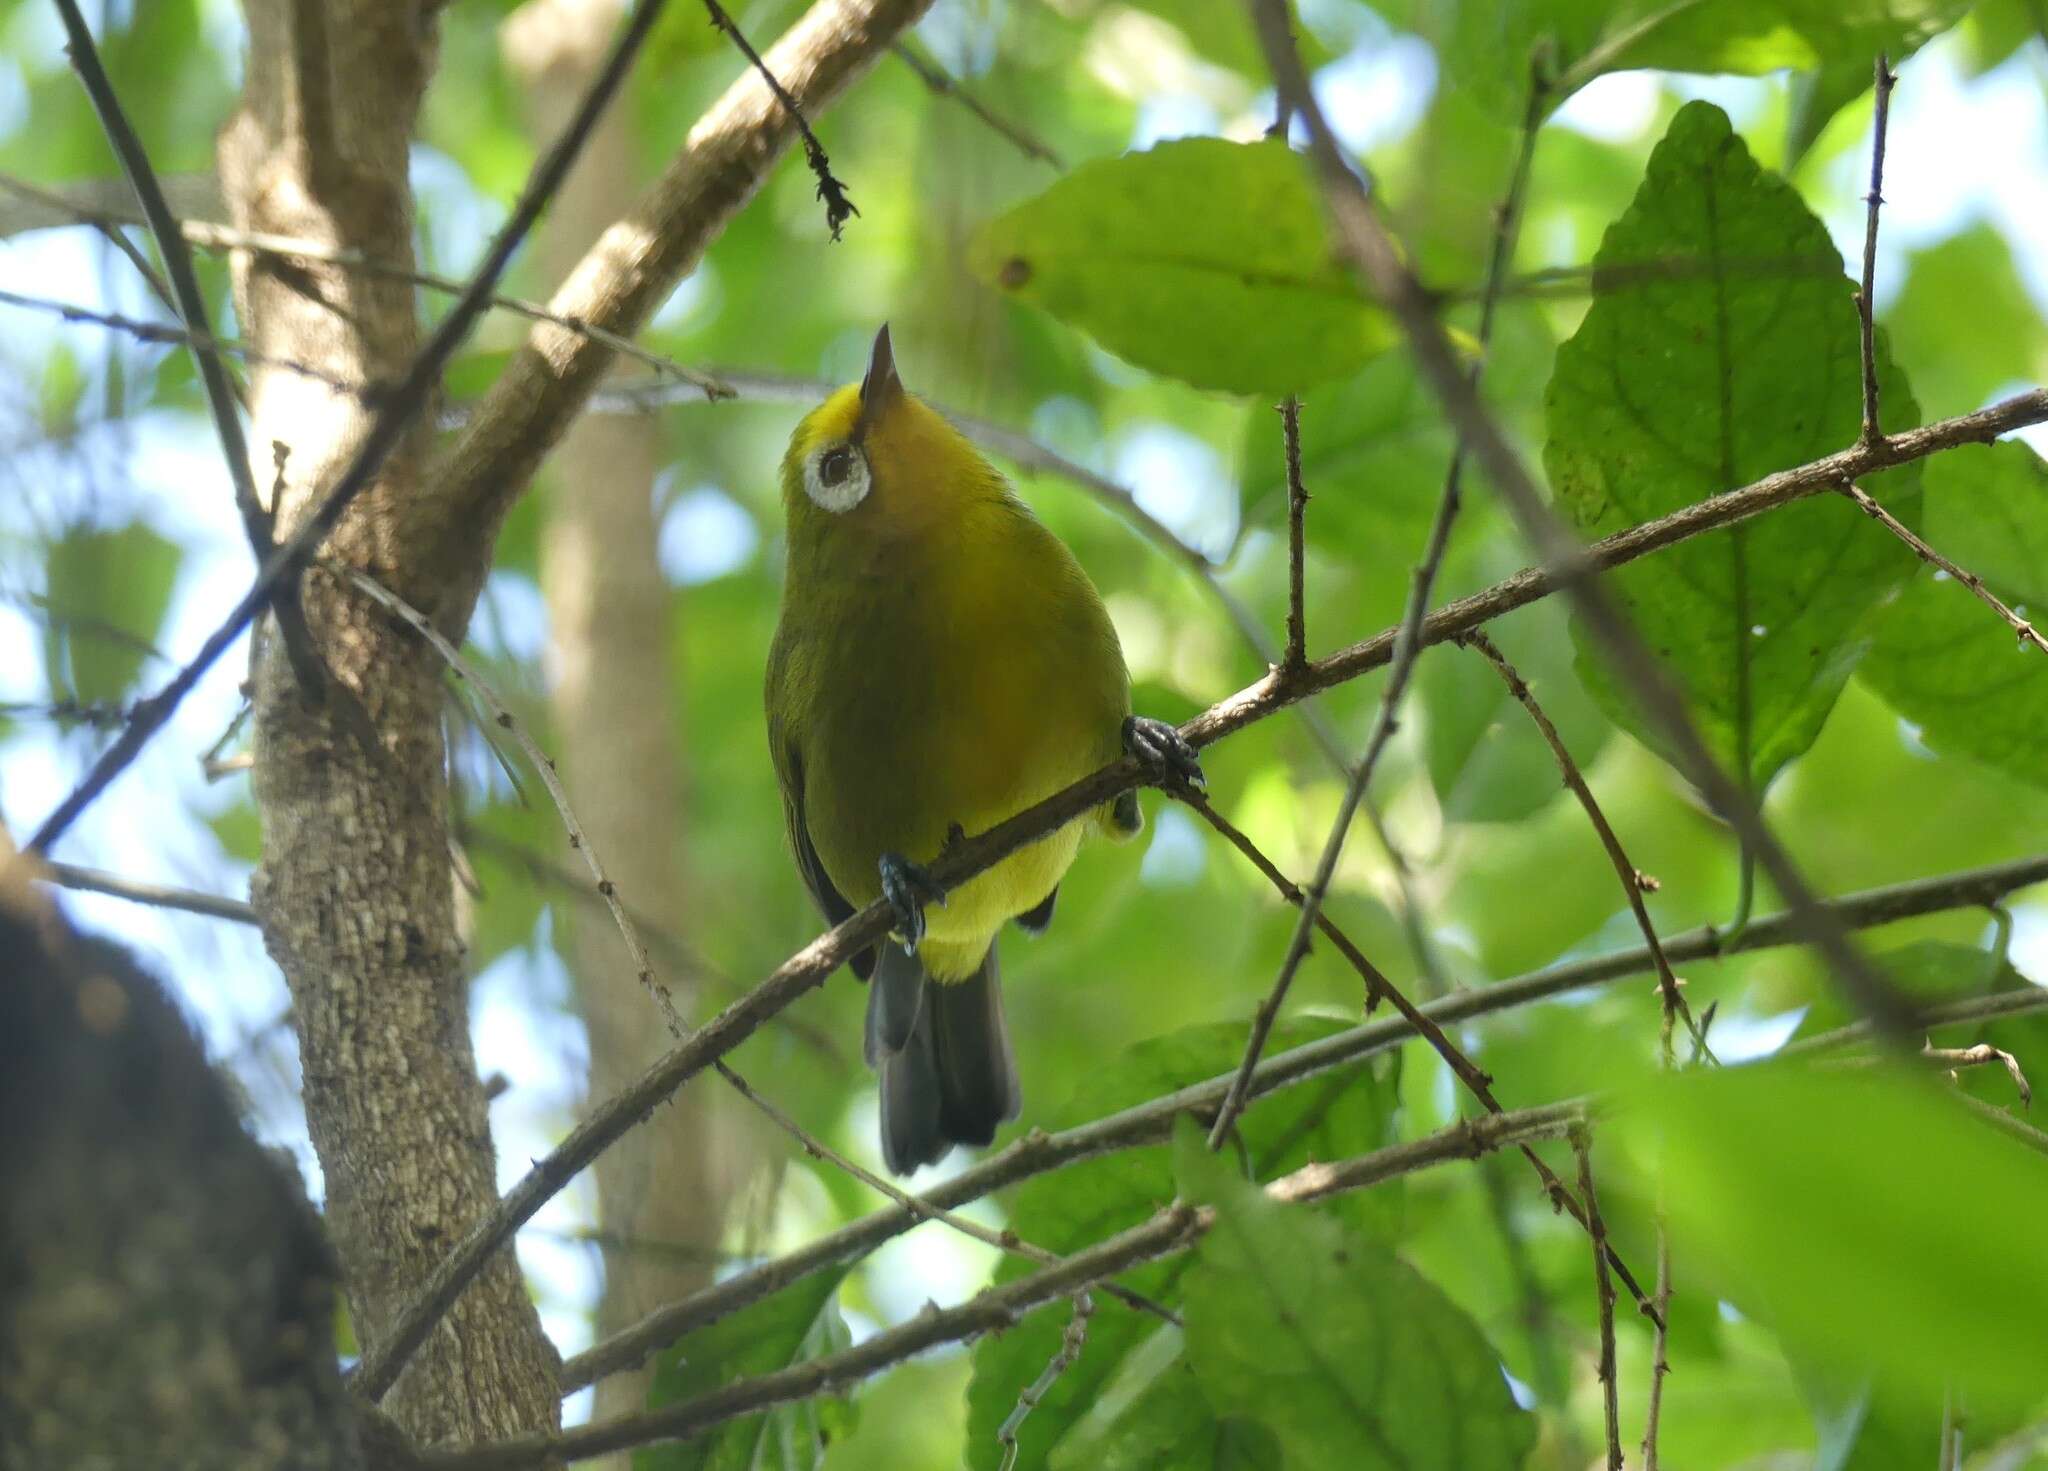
1161	746
908	888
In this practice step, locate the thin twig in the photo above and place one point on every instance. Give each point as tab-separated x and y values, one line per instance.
212	235
1371	250
1631	877
137	891
543	766
1982	1055
1408	641
1609	1395
942	84
385	430
2022	628
838	208
1866	299
1071	1343
222	400
1660	1351
107	228
1172	1230
156	332
1377	985
1296	654
1037	1153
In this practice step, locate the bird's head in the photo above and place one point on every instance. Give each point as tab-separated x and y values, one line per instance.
872	452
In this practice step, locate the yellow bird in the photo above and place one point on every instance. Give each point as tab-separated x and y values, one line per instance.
942	662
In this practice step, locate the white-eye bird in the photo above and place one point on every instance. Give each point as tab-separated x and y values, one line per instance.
942	662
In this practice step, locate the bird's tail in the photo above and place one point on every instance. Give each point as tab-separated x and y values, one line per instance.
948	1075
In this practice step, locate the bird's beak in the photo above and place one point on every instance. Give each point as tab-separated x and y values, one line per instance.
881	389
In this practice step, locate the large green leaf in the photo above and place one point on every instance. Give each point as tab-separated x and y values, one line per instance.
1346	1112
1164	1423
1723	346
1202	259
1492	45
1852	1209
1964	324
107	594
1940	657
1346	1353
800	1322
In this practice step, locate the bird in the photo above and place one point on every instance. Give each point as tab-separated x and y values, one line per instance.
940	663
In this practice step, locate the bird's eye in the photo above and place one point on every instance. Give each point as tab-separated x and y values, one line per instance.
836	478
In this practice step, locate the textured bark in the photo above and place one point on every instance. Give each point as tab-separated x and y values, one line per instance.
354	889
614	714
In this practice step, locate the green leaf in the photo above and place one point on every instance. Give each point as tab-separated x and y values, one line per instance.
107	594
1347	1354
1165	1425
1201	259
1854	1210
1964	323
1939	656
1348	1111
1491	47
800	1322
1724	347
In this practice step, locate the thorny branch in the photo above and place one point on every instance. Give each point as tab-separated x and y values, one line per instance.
1172	1230
1633	881
1408	642
1866	301
1296	653
1372	251
1377	986
942	84
838	208
1037	1152
1609	1390
2022	628
1071	1343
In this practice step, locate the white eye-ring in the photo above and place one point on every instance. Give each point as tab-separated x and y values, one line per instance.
836	477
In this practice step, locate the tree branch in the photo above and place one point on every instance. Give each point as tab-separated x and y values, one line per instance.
136	891
1171	1230
1469	1073
1296	653
942	84
1372	251
2022	628
638	261
1631	877
1609	1392
1149	1123
1866	299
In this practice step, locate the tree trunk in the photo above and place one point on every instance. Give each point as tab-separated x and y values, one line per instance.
614	713
355	885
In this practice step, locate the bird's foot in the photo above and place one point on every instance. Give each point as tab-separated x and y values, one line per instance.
908	888
1164	749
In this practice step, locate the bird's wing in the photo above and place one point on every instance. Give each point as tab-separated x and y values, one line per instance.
830	900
